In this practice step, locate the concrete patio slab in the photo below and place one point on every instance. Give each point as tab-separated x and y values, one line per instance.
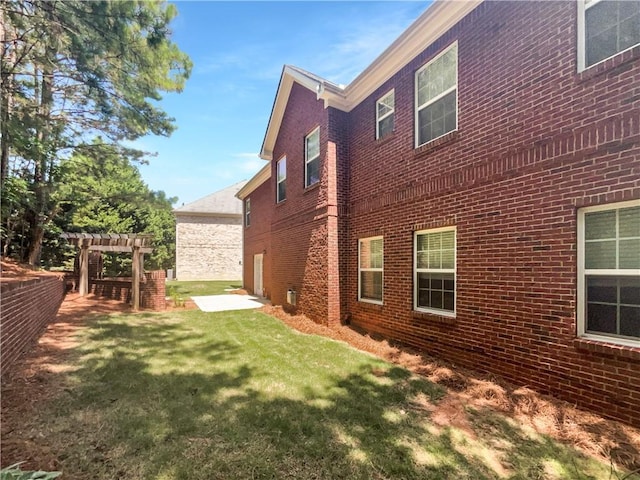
222	303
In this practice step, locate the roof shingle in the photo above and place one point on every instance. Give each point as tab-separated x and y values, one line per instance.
221	202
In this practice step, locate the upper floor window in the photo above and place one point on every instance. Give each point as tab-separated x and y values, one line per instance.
435	271
281	180
609	272
312	158
606	28
385	109
436	96
247	212
370	269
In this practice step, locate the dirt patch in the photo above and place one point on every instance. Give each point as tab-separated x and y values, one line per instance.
239	291
37	380
12	271
187	304
607	439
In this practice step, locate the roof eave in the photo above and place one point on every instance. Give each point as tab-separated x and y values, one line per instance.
431	25
205	214
441	16
258	179
324	90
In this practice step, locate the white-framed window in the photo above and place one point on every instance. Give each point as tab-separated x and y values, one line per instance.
281	180
385	113
606	28
247	212
435	271
312	158
370	269
437	96
609	272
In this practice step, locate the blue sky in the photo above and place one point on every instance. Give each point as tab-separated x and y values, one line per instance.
238	50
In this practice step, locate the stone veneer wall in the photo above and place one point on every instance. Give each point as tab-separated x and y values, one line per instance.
208	247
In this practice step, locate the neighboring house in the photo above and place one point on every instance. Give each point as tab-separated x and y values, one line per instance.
209	237
475	192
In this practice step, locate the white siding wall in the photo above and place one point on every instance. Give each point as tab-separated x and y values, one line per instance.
208	247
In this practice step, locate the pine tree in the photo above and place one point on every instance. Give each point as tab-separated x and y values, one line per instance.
72	70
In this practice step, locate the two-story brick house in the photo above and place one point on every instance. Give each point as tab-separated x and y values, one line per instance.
475	192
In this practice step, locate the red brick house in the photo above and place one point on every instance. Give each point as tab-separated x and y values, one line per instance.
475	192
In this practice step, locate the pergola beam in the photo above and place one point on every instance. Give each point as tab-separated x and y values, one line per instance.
113	248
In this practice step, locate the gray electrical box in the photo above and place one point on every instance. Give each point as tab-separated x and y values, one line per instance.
291	296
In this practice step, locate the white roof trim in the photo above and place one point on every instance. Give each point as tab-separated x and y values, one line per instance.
439	18
207	214
431	25
258	179
323	89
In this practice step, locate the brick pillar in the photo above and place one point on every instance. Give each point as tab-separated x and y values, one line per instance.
153	291
333	250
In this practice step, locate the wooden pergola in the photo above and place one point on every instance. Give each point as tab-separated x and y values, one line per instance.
136	244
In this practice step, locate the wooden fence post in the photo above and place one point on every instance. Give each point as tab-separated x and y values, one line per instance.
83	287
135	278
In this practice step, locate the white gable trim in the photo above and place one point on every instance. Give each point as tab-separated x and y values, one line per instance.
431	25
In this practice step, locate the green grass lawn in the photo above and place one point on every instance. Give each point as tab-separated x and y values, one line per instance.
238	395
200	287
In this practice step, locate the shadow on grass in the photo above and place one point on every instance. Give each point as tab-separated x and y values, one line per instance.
161	400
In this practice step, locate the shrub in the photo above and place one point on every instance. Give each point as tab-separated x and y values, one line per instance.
13	472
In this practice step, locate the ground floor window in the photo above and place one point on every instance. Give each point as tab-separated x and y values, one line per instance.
435	271
609	272
370	269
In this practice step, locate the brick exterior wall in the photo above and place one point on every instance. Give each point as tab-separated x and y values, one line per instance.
338	139
152	290
257	239
27	308
535	142
208	247
302	234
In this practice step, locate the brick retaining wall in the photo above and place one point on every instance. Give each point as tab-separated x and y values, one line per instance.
28	306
